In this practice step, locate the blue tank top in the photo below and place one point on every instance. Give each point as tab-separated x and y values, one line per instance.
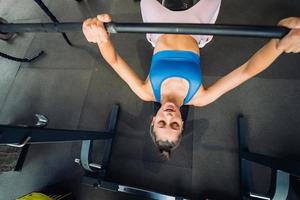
181	64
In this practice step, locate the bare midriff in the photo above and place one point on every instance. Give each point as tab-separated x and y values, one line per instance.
174	84
177	42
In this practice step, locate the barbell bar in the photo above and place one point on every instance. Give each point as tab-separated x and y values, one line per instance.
163	28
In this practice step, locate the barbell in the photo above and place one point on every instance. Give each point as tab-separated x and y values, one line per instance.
163	28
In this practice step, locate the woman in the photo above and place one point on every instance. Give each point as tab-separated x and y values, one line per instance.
175	77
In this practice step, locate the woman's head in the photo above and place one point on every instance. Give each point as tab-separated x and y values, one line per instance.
166	128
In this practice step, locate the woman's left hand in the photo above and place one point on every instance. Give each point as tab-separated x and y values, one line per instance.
291	42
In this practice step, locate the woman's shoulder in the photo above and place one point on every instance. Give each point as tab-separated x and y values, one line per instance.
199	99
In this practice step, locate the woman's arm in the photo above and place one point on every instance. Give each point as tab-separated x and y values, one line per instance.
95	32
261	60
257	63
123	70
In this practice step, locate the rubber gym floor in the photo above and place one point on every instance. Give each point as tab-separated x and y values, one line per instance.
76	89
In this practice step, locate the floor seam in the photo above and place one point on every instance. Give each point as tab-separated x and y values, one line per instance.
84	101
10	88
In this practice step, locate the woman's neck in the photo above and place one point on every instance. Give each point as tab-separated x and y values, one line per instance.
173	98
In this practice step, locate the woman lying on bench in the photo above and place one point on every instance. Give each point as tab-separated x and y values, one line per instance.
175	77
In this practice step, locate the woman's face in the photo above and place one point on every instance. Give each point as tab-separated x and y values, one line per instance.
168	123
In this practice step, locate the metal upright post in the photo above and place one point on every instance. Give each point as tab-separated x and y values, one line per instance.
52	17
281	169
246	182
87	145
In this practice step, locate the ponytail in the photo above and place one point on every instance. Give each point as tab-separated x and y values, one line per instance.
164	147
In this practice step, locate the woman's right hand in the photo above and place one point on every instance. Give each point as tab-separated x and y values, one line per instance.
94	29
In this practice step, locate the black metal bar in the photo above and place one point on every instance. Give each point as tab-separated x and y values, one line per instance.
246	182
200	29
115	187
41	27
52	17
112	125
197	29
16	135
87	146
144	193
291	167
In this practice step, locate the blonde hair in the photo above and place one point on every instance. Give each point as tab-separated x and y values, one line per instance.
164	147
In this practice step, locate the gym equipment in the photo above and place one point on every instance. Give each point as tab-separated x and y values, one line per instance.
3	35
282	170
58	191
96	173
9	35
35	196
22	135
196	29
7	30
19	152
52	17
40	122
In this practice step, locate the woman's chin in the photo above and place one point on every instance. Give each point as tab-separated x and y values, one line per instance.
169	106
